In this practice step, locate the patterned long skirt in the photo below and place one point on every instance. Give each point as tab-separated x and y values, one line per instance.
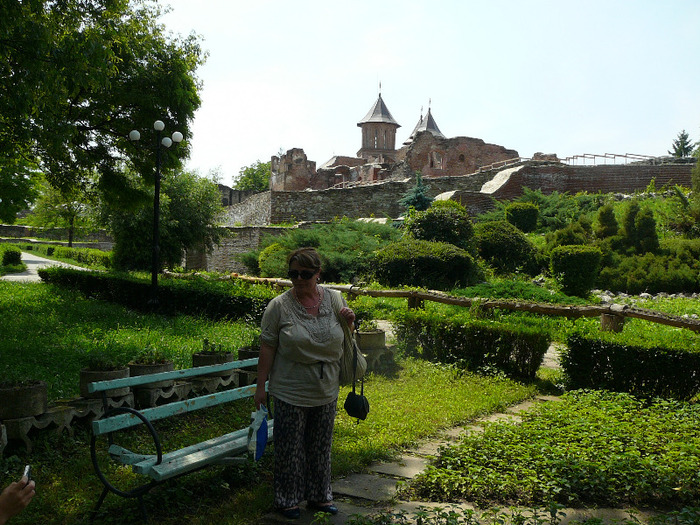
303	438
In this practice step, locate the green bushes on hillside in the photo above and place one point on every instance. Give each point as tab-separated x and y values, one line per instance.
444	221
576	268
504	247
435	265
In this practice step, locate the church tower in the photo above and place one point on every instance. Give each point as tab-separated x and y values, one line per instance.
378	134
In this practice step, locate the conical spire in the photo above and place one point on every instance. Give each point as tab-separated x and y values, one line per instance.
426	123
379	113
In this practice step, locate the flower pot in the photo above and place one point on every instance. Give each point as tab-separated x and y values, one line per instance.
208	359
140	369
26	400
248	352
374	340
90	376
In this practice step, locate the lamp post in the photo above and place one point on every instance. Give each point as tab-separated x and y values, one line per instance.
166	142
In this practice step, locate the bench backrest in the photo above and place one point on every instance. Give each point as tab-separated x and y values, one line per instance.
127	420
99	386
121	421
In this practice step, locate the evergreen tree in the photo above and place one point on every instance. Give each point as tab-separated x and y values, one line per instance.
417	197
682	146
647	238
607	223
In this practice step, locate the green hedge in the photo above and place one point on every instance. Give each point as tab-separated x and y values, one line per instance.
88	256
10	254
471	343
652	371
212	299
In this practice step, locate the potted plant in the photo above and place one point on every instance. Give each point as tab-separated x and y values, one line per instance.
102	365
22	398
152	361
369	336
252	349
213	354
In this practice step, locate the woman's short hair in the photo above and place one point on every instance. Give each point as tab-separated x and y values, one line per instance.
306	257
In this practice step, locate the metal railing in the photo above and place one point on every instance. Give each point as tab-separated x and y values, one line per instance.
593	157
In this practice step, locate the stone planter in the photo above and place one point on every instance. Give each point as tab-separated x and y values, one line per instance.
248	352
89	376
23	400
371	341
208	359
140	369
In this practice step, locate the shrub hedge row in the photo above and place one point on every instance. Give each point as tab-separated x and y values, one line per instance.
653	371
472	343
212	299
88	256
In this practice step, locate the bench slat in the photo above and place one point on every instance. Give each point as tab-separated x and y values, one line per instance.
188	463
142	467
122	421
126	456
99	386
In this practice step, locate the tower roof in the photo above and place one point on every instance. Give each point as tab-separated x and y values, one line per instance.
379	113
426	123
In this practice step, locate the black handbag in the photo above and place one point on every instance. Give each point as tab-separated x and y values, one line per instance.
357	405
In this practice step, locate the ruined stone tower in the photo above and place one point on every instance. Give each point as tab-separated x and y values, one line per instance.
378	134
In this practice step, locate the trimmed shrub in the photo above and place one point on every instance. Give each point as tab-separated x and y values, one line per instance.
436	265
576	268
273	261
522	215
647	238
11	255
504	247
643	371
472	344
444	221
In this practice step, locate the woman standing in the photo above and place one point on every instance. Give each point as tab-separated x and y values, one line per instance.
300	349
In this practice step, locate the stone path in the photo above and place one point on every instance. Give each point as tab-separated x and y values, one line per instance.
34	263
376	490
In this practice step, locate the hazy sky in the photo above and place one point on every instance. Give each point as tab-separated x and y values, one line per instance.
564	76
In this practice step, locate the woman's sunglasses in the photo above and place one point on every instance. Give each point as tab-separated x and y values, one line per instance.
304	274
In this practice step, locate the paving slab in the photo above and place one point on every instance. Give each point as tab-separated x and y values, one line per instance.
404	467
366	486
346	509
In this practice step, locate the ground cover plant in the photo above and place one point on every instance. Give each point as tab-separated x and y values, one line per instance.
593	448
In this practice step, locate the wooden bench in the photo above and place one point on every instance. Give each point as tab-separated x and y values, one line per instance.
227	449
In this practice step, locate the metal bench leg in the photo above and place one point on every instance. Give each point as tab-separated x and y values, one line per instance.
142	506
105	491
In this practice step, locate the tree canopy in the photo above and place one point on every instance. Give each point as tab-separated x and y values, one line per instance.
77	76
254	177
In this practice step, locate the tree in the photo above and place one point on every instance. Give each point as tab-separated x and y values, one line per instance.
682	145
254	177
17	187
189	208
76	77
607	222
417	197
71	208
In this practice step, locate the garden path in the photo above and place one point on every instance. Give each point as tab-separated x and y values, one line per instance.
34	263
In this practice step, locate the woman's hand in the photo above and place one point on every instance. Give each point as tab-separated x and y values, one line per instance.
348	315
